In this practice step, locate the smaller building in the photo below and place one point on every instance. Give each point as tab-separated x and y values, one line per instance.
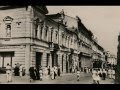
111	60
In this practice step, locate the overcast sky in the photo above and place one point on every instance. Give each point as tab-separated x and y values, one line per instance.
103	21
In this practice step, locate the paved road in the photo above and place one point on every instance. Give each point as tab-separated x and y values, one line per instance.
63	79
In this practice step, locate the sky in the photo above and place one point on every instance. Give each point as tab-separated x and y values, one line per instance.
103	21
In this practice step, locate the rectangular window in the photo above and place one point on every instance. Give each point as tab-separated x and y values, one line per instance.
46	32
62	39
41	28
68	40
8	30
51	35
36	30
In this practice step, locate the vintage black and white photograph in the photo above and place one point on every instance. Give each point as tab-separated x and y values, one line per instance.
59	44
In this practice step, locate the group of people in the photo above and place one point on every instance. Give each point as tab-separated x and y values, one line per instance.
18	70
111	73
102	74
40	73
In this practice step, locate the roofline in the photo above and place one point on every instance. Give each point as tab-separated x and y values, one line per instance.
53	20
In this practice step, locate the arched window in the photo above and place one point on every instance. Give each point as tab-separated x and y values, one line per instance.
8	20
56	35
36	21
8	30
46	32
51	28
63	38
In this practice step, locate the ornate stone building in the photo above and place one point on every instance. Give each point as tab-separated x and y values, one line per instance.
32	38
98	56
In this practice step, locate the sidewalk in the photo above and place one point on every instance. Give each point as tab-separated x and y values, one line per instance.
26	79
107	81
67	78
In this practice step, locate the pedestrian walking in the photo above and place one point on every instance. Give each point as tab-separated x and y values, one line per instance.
70	69
45	71
41	74
49	70
78	75
52	73
20	70
16	69
95	76
113	74
59	70
23	71
100	73
55	70
87	70
104	74
9	73
73	69
32	74
109	73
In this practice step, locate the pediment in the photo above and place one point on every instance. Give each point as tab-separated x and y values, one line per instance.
8	18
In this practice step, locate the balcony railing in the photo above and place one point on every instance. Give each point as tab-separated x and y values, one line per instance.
53	47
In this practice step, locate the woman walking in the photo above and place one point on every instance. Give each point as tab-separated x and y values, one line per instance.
78	75
95	76
52	73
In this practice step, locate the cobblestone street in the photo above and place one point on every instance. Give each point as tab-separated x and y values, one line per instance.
63	79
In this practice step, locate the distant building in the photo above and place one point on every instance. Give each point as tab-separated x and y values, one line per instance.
111	59
98	56
83	39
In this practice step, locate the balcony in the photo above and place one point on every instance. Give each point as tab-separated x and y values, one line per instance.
53	47
86	54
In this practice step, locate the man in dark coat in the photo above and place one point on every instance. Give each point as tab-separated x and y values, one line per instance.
49	70
58	70
32	73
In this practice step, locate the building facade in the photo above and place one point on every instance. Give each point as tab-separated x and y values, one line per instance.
31	37
111	60
98	56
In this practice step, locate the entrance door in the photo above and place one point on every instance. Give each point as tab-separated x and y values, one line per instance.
38	59
54	59
66	64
